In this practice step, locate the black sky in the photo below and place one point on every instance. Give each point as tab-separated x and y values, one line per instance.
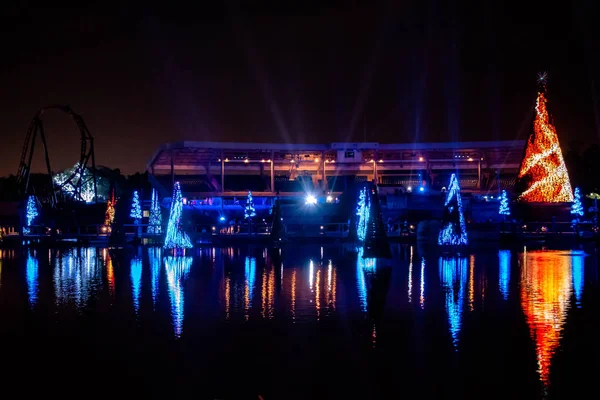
419	71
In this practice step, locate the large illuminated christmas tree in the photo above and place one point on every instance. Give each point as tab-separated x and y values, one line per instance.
155	223
363	212
249	210
31	213
543	174
454	229
175	237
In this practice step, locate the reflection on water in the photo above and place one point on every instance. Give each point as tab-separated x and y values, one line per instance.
250	275
32	277
422	285
110	272
546	286
155	260
453	277
77	275
177	269
578	277
504	272
136	282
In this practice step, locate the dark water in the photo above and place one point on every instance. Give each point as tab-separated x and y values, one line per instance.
312	322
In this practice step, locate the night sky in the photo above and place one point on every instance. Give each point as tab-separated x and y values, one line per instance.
415	71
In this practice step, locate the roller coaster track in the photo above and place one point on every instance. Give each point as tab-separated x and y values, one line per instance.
76	179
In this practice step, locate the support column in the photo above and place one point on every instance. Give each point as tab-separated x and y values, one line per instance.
222	171
273	171
479	173
172	171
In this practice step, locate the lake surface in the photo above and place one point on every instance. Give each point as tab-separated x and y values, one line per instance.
309	322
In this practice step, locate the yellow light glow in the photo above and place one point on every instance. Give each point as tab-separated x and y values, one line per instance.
543	170
420	158
316	160
246	160
292	161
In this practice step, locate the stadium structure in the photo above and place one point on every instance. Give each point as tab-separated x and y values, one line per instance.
207	170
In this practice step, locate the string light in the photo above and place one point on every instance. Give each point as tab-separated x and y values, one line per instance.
155	215
543	171
577	208
504	206
175	238
136	209
32	212
249	210
363	212
454	230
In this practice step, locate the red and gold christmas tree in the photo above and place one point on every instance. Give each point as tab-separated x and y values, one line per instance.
543	176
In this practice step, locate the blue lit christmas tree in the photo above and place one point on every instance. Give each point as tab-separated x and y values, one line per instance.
363	212
454	230
31	213
175	237
249	210
136	209
155	223
577	207
504	205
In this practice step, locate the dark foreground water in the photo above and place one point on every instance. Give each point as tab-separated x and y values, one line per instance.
312	322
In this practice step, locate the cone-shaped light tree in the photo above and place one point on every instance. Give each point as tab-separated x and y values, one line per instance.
175	237
30	213
504	205
577	207
543	175
136	209
249	211
363	212
155	223
454	230
109	215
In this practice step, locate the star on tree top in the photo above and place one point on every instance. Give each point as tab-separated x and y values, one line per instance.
542	78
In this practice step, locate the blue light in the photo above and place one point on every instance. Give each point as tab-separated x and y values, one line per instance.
222	218
32	279
177	269
155	222
155	259
136	209
32	212
176	238
77	276
453	277
504	205
504	272
454	230
577	264
421	189
360	279
577	208
250	274
363	212
310	200
136	282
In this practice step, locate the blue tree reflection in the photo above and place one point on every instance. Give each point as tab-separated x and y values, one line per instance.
77	275
250	283
136	282
504	272
155	257
32	278
577	264
177	269
453	276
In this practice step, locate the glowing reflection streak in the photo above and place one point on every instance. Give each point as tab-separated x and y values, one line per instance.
422	288
546	287
578	262
318	293
154	258
504	272
250	282
227	297
77	275
311	272
410	270
471	283
177	269
32	278
293	294
453	276
360	278
136	282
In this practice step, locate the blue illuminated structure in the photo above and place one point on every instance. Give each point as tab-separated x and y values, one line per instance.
77	276
177	268
249	211
454	230
453	277
136	209
250	283
577	207
155	260
175	237
32	278
577	261
155	222
504	272
363	212
31	213
136	282
504	205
